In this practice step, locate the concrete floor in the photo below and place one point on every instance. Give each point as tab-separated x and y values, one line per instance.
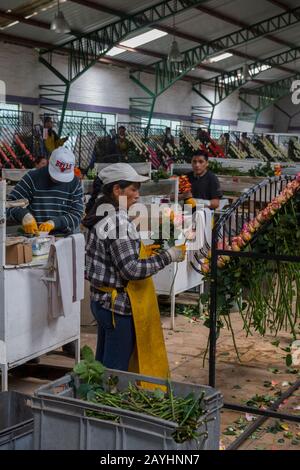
262	371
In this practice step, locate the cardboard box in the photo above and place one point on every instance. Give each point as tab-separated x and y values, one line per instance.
18	252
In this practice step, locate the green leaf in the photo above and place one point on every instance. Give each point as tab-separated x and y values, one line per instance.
91	395
87	353
267	384
289	360
80	368
292	371
229	432
83	390
97	367
276	342
158	394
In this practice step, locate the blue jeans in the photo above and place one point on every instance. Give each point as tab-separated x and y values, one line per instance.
114	344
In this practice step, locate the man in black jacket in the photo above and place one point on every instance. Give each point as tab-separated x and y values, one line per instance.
205	184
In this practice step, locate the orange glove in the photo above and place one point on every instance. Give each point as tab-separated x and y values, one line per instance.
191	201
29	224
151	250
47	226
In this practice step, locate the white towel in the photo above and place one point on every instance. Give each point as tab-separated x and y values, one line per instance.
208	224
78	248
60	278
55	308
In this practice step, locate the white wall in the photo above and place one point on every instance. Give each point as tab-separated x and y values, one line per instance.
287	116
106	87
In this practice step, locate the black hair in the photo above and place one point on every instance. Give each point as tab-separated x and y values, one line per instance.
40	158
91	218
107	189
200	153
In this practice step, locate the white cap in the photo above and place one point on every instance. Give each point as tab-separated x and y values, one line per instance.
120	172
62	164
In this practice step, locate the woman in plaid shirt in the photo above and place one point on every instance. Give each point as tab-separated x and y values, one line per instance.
113	260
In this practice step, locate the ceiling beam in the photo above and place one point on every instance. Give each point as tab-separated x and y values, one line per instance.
102	8
279	4
167	74
87	49
98	7
22	41
241	24
30	21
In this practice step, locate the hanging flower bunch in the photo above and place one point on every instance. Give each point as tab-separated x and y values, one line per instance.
137	141
273	150
254	152
234	152
240	241
189	139
265	292
296	150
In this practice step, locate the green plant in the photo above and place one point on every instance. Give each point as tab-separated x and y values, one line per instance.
187	411
91	174
160	174
219	169
262	170
269	298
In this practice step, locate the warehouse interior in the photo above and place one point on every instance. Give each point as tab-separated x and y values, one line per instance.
183	78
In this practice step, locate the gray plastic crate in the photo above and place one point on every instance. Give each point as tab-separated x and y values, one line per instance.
61	420
16	422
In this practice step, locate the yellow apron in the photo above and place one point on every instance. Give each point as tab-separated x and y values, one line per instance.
51	143
150	356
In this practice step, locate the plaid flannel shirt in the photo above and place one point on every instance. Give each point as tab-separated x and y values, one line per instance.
113	260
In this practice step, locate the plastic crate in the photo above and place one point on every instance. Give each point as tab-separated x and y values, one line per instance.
16	422
61	420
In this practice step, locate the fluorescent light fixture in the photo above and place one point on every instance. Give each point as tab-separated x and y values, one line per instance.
11	24
144	38
260	69
115	51
32	14
136	41
230	79
219	57
254	71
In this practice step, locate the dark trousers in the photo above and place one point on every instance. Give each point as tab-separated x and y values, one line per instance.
114	344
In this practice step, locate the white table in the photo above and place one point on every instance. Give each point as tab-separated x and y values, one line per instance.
26	331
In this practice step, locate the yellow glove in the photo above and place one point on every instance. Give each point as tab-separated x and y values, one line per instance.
29	225
47	226
151	250
191	201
